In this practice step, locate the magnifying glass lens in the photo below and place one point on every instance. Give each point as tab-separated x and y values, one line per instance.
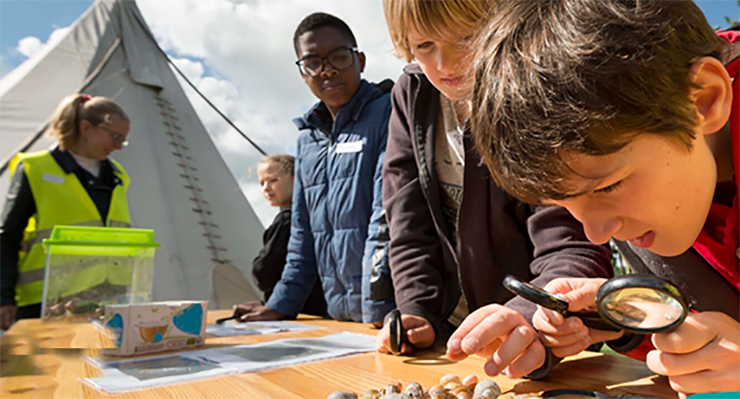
642	308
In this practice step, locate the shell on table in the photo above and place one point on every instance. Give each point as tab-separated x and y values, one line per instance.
487	385
448	379
391	388
371	394
470	381
342	395
414	390
450	387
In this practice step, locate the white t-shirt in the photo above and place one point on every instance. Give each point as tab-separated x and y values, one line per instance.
90	165
449	162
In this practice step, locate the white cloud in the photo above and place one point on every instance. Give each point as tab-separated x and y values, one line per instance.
193	70
31	45
240	55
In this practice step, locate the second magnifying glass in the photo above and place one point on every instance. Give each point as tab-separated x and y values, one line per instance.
637	303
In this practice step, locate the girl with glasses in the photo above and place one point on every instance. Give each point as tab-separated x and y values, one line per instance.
76	183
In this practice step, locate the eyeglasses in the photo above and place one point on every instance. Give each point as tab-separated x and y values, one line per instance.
339	58
118	138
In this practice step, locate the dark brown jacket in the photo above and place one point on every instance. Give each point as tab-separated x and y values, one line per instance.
498	234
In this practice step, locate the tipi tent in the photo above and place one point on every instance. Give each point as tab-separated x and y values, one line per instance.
180	186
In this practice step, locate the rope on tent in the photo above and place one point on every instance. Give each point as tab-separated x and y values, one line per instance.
146	29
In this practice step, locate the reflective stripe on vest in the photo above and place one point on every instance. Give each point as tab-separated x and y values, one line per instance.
60	200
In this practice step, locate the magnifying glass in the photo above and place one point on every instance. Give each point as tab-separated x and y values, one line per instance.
642	304
398	333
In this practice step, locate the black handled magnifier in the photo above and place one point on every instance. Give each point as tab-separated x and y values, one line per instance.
398	333
225	319
637	303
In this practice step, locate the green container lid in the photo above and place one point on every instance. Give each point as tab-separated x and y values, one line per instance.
100	241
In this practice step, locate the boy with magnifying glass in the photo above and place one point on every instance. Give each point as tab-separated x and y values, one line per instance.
623	113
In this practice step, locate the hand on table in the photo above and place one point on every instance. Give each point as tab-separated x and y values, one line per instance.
701	355
256	311
503	337
7	316
567	337
419	332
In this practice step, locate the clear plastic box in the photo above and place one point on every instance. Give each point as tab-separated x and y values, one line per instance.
88	268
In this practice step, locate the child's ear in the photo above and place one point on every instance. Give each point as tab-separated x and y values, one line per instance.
85	125
713	100
361	56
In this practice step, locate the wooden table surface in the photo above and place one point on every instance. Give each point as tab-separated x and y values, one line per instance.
45	360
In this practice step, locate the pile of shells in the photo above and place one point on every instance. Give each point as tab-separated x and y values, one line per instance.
449	387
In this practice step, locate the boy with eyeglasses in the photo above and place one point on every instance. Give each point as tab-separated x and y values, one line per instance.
337	210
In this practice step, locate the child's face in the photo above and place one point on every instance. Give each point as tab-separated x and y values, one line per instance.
444	62
277	186
98	142
335	88
654	193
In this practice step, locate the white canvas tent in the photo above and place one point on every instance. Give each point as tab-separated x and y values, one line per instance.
180	186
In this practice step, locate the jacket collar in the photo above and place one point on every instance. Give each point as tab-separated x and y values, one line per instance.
319	117
413	69
69	165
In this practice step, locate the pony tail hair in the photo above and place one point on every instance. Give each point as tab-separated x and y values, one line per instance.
65	122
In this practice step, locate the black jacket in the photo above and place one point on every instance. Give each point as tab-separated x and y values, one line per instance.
268	266
20	206
497	235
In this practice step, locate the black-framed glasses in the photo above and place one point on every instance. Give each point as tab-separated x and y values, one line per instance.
339	58
118	138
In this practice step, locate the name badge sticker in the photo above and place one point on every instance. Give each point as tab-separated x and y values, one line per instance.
354	146
52	178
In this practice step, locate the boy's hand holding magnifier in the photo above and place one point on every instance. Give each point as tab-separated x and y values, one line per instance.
699	352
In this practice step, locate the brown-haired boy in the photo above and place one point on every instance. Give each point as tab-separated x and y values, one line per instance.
619	111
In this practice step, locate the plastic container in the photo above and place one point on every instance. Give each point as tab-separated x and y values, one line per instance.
88	268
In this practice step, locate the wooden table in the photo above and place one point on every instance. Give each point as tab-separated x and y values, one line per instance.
45	360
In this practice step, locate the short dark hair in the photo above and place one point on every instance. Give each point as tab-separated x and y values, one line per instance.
320	20
581	76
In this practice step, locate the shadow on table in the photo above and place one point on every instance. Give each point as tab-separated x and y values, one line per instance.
596	374
429	357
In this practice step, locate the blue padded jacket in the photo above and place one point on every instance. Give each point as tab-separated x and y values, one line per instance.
337	210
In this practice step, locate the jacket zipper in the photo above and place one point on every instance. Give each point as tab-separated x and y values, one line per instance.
424	177
333	223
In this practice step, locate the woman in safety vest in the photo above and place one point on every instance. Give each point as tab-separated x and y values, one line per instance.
76	183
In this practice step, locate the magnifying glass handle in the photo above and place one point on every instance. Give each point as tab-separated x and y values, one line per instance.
592	319
397	332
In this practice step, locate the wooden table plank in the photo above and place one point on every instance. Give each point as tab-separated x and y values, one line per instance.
46	360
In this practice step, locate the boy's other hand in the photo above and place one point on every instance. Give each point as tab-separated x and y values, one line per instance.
419	332
701	355
567	337
503	337
7	316
256	311
245	307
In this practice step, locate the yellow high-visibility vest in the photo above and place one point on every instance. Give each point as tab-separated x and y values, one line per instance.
61	200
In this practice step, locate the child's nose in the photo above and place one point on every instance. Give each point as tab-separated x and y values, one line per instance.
328	71
599	231
447	59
